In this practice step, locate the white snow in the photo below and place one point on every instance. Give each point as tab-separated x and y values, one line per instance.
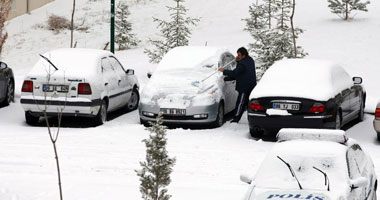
272	111
303	78
98	163
286	134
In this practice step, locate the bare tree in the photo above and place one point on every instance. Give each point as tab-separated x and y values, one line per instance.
5	7
72	25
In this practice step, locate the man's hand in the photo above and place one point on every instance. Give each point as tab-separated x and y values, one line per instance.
221	69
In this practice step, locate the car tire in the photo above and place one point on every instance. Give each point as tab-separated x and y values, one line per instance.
133	102
144	123
361	112
101	117
256	132
10	94
338	121
31	119
220	116
378	136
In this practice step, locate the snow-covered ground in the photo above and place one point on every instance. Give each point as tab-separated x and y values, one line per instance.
99	162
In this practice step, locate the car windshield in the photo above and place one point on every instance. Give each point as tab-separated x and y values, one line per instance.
273	173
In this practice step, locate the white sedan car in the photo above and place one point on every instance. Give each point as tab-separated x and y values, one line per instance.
187	88
314	164
376	121
78	82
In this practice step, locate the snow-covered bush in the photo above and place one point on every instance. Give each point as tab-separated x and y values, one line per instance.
175	33
274	37
124	38
343	8
157	167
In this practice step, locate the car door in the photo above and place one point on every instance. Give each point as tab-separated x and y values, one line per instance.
356	98
356	162
110	80
124	84
346	103
228	62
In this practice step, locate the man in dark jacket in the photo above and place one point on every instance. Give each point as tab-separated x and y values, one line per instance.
245	76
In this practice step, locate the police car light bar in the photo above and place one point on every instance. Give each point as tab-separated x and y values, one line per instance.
286	134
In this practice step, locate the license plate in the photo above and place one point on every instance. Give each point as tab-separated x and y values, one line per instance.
57	88
173	111
286	106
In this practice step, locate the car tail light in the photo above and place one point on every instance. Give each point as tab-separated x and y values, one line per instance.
377	113
27	86
255	105
317	108
84	88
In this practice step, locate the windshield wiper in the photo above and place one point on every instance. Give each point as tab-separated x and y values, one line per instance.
49	62
327	181
291	171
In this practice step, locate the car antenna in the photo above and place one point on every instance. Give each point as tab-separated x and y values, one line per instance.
327	181
49	62
291	171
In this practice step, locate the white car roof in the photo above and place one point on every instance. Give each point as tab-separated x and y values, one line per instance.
303	78
72	62
188	57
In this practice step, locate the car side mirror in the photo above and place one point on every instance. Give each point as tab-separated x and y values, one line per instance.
130	72
357	80
245	178
149	74
358	182
3	65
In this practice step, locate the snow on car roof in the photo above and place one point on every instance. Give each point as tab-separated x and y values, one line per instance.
70	62
188	57
303	78
287	134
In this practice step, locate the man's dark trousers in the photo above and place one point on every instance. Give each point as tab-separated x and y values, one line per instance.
241	105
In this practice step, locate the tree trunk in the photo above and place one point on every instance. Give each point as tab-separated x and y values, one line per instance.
346	17
270	14
58	170
292	26
72	25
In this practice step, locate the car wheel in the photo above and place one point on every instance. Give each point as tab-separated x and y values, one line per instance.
144	123
378	136
361	112
31	119
338	121
134	100
101	117
10	94
256	132
220	116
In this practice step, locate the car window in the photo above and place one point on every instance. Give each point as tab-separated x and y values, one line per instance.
106	65
341	79
355	161
116	65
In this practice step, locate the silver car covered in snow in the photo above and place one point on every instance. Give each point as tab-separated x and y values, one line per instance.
187	88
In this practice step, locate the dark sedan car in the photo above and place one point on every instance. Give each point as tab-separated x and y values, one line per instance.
6	85
302	93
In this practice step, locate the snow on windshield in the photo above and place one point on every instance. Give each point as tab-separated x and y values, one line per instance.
273	173
304	78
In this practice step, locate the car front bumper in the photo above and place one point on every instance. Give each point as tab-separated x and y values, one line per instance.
149	113
376	125
68	107
275	122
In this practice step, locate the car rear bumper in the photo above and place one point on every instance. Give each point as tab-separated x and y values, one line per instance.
149	113
376	125
68	107
275	123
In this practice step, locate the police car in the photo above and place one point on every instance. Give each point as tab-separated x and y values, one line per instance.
313	164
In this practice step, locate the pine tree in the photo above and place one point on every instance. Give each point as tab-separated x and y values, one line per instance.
157	167
343	8
272	41
124	38
175	33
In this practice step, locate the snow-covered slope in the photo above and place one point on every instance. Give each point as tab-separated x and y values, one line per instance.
98	163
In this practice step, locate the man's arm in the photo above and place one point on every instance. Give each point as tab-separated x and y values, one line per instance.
236	72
